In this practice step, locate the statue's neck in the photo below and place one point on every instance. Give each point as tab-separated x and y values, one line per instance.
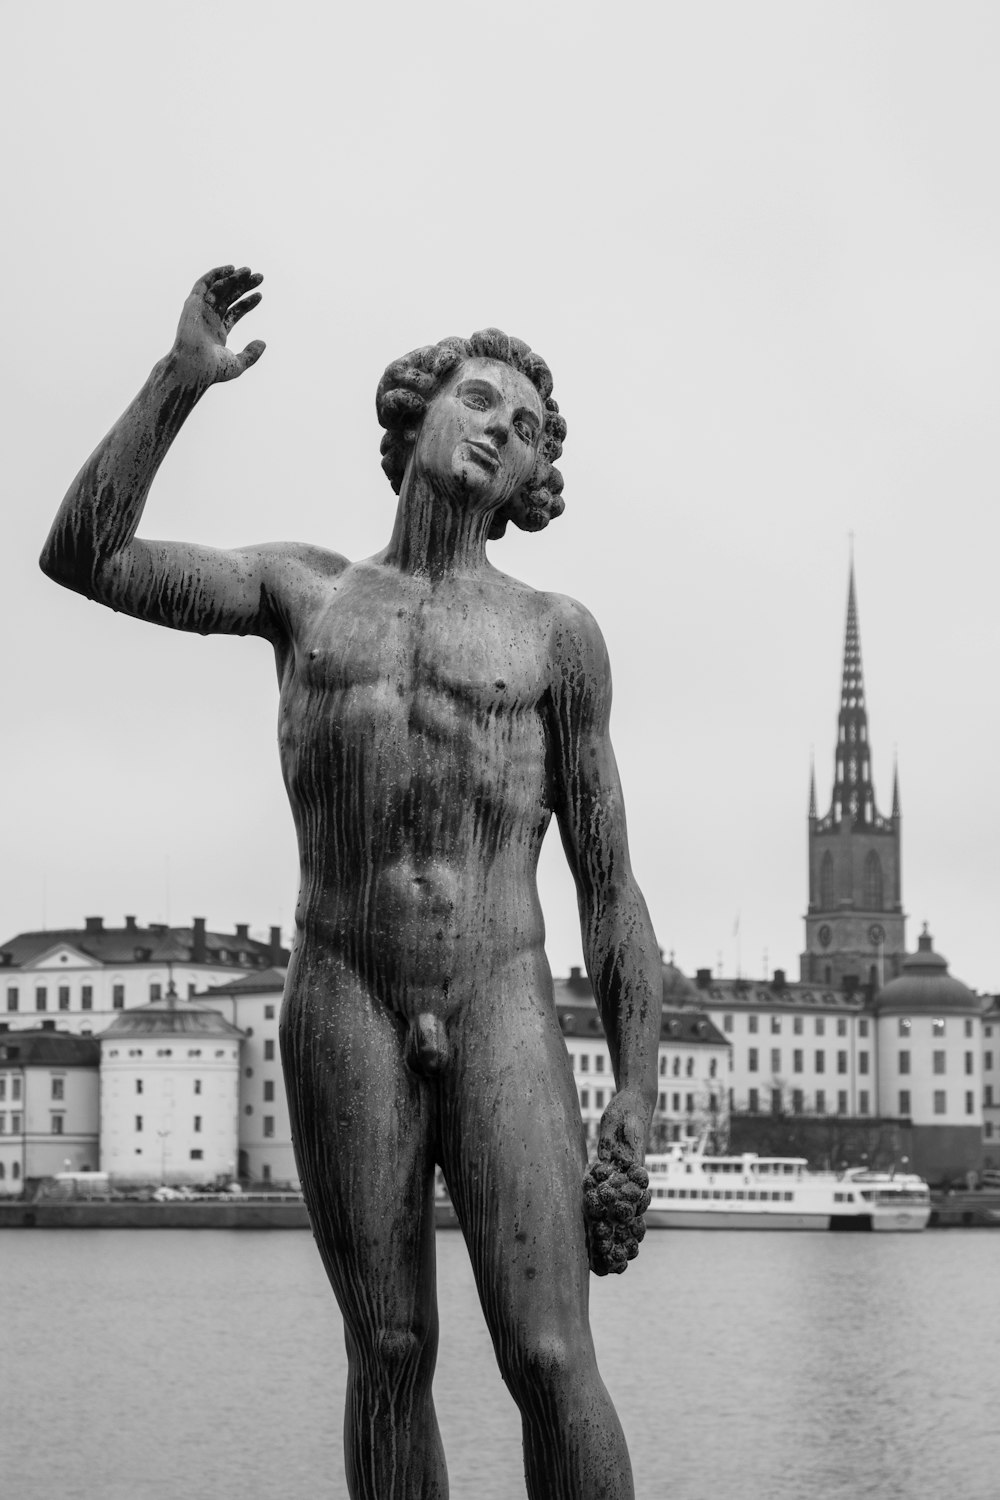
435	533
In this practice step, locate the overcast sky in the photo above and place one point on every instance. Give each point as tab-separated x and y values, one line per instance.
759	246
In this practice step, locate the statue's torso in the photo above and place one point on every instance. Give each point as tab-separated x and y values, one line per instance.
414	747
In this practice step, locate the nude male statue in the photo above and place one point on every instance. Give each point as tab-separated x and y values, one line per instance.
434	714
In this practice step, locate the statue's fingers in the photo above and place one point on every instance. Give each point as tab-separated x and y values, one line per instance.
250	355
205	285
230	284
240	309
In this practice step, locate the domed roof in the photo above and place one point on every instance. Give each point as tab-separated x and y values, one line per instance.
678	989
171	1016
925	986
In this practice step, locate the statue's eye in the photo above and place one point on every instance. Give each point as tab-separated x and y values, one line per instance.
524	430
475	399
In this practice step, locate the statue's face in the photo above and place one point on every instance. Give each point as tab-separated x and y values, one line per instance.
479	436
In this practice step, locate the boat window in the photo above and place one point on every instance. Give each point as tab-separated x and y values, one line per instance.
788	1197
717	1194
727	1195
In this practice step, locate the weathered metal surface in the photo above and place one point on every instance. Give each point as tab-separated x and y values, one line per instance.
434	715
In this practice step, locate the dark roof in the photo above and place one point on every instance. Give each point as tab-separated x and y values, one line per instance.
756	994
170	1017
49	1049
260	982
118	946
925	985
578	1015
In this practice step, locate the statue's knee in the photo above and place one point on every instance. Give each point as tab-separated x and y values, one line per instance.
398	1350
546	1362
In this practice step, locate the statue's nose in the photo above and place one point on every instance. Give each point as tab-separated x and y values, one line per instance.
498	428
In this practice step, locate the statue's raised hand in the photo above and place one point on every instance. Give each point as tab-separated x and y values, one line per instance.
216	304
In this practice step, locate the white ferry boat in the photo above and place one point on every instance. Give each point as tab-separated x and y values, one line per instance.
691	1190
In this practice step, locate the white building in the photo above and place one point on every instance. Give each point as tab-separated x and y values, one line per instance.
79	979
170	1075
252	1003
48	1107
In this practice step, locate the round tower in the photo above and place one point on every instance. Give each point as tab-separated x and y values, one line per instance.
170	1073
929	1033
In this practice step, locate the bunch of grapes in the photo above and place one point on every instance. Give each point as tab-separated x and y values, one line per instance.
615	1197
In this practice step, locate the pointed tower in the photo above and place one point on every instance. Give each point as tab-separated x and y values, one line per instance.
855	925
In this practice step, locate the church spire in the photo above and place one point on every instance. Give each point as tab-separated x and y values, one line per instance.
897	811
812	785
853	793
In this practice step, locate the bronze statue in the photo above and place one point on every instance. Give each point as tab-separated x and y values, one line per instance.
434	714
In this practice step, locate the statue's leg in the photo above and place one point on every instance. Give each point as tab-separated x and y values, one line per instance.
514	1156
363	1130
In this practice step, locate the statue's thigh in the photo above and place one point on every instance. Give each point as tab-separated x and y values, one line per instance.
515	1155
362	1125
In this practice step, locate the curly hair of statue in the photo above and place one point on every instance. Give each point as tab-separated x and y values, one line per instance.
408	386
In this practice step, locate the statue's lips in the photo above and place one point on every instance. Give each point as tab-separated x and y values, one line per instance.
484	454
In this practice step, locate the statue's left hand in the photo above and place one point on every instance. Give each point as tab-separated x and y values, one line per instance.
615	1189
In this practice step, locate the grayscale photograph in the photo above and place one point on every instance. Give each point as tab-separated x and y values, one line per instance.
559	804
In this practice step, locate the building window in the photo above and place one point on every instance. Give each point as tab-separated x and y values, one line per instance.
937	1027
15	1129
988	1061
57	1124
12	997
599	1063
775	1059
797	1101
584	1098
820	1026
841	1062
268	1012
663	1104
3	1087
841	1025
156	991
269	1125
820	1061
41	998
842	1101
939	1062
689	1068
797	1025
138	1122
968	1028
138	1085
988	1095
197	1154
969	1065
268	1091
940	1102
904	1026
862	1027
598	1098
197	1085
820	1102
826	881
584	1063
663	1065
776	1101
904	1101
713	1067
86	997
863	1107
873	882
752	1060
15	1089
754	1102
64	997
775	1025
58	1088
677	1104
269	1053
677	1067
197	1124
970	1104
118	996
727	1023
862	1062
752	1024
904	1062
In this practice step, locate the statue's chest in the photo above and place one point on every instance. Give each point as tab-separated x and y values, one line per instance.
469	650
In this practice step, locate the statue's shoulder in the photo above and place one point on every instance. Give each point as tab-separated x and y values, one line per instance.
307	557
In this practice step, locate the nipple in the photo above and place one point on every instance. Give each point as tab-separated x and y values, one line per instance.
427	1048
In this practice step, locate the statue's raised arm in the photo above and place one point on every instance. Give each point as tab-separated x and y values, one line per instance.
92	546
